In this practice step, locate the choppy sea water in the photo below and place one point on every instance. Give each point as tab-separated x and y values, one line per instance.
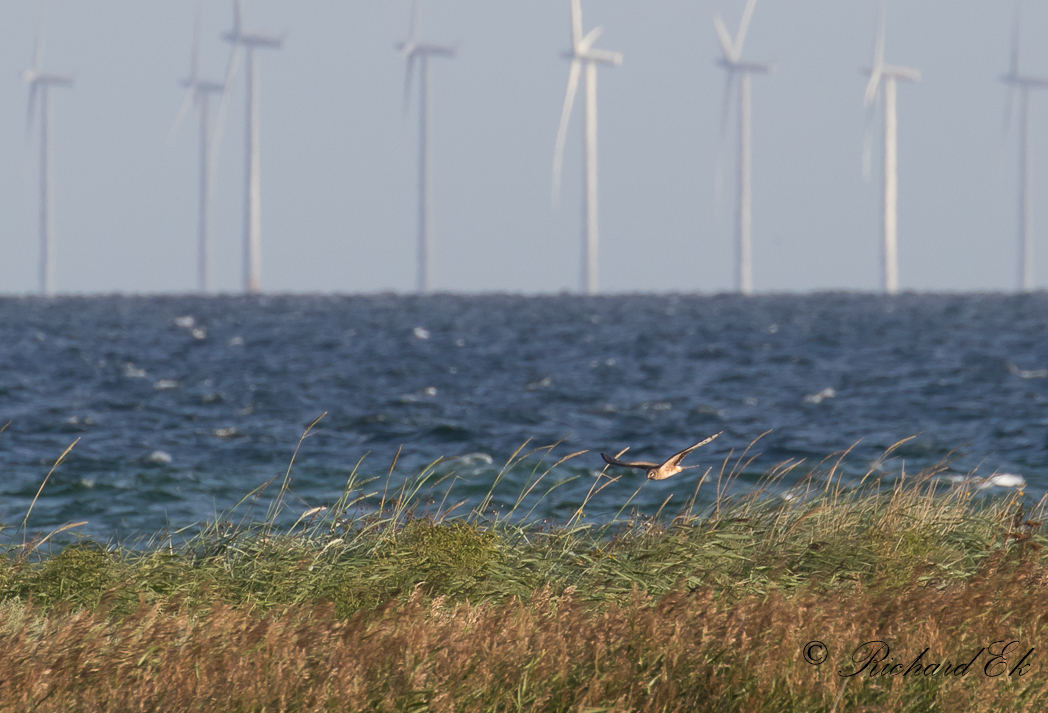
184	404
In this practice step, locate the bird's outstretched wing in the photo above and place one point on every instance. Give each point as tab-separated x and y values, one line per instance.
676	458
628	464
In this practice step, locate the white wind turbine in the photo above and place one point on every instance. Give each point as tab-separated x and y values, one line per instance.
40	84
1024	83
887	75
414	49
249	41
198	92
738	70
583	53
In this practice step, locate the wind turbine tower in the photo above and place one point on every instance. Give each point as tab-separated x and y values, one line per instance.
584	54
198	92
251	41
1024	83
414	49
887	75
740	71
40	83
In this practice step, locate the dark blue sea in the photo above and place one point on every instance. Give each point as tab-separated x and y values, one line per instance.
183	405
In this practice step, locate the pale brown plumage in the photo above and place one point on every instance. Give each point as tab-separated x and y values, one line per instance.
657	471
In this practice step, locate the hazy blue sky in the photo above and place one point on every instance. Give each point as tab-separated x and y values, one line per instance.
338	152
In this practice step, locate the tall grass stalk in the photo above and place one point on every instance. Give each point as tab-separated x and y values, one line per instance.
278	502
39	490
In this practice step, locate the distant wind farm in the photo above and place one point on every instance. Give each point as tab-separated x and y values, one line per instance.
883	79
40	83
1023	83
738	75
418	52
584	55
198	93
628	165
250	43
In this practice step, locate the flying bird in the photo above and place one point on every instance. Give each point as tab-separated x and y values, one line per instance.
671	466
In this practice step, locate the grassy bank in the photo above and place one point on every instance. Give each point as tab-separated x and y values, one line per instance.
398	608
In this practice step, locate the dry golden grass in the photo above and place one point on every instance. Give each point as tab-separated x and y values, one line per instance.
686	651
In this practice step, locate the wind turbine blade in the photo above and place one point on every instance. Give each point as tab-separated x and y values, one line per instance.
873	87
1013	64
407	81
416	22
867	141
576	24
223	106
30	109
227	87
1009	106
727	46
878	42
194	60
608	56
38	48
562	131
729	83
187	103
236	18
232	67
747	15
